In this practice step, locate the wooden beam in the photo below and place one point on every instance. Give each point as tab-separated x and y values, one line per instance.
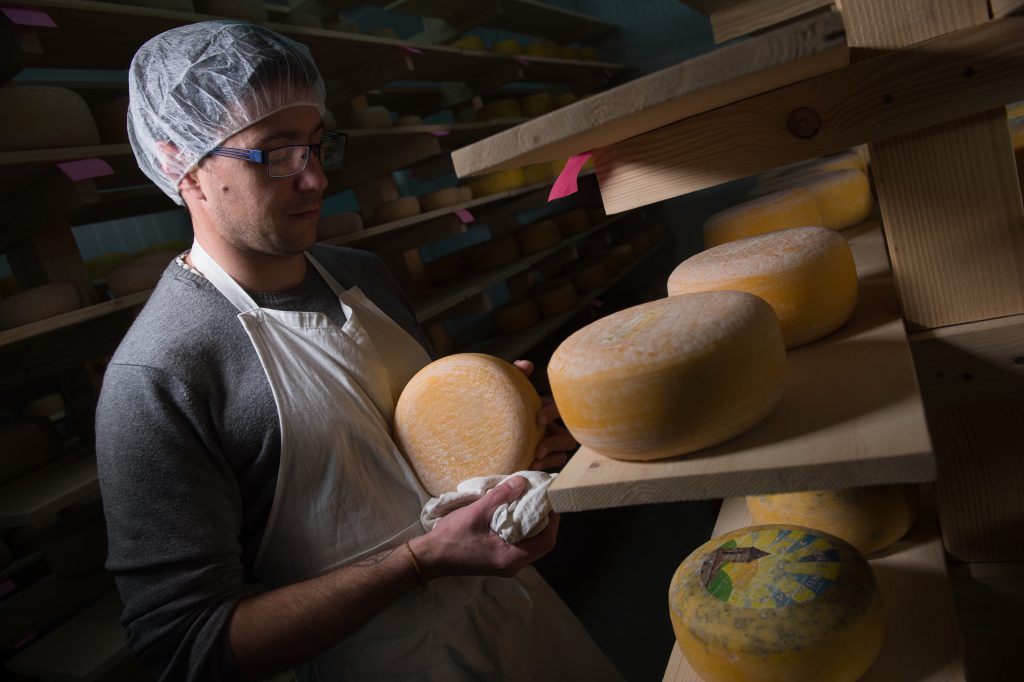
743	18
874	27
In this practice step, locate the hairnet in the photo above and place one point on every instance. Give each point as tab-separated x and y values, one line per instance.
194	86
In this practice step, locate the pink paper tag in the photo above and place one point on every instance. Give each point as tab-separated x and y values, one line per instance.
440	133
412	50
28	17
84	169
566	182
465	216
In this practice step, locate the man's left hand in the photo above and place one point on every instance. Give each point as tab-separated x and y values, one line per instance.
553	450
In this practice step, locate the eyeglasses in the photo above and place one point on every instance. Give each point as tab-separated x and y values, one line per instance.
282	162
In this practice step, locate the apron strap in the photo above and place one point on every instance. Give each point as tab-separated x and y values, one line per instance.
221	280
331	282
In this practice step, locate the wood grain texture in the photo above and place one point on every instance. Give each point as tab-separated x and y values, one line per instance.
877	26
697	85
935	82
851	415
742	18
921	639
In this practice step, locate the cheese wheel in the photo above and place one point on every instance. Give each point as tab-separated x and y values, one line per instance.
775	211
807	274
465	193
99	266
469	43
641	243
537	104
38	303
467	415
843	197
442	198
870	518
46	406
28	114
538	236
555	297
588	275
624	252
515	317
408	120
339	224
250	10
499	109
510	46
77	544
25	446
112	120
573	222
370	117
447	267
396	209
587	54
536	173
847	160
564	99
779	602
542	48
498	181
666	378
139	274
494	253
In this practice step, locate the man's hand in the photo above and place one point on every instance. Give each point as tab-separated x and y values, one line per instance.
553	450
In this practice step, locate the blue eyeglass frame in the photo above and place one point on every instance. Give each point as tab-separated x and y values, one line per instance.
261	156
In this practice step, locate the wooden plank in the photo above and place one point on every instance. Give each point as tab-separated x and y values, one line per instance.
935	82
726	75
875	434
43	493
742	18
874	27
1003	8
45	601
12	337
921	639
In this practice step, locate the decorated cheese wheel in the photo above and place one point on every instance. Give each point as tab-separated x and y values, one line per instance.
556	297
77	544
447	267
469	43
498	181
38	303
564	99
467	415
573	222
396	209
250	10
776	602
28	113
139	274
538	236
589	274
408	120
510	46
515	317
537	104
371	117
775	211
494	253
25	446
870	518
667	378
339	224
499	109
542	48
807	274
442	198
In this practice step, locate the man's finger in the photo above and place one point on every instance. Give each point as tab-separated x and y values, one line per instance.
524	366
547	413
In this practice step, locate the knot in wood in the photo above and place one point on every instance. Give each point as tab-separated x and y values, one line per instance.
804	122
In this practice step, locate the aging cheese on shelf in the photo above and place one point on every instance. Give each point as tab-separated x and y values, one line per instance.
573	222
870	518
139	273
847	160
396	209
494	253
555	297
99	266
38	303
25	446
371	117
442	198
28	113
588	275
537	104
500	108
408	120
536	173
498	181
469	43
807	274
564	99
671	376
515	317
465	193
538	236
776	602
776	211
339	224
467	415
542	48
45	406
510	46
177	5
112	120
843	196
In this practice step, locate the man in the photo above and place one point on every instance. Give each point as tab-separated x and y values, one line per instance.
243	431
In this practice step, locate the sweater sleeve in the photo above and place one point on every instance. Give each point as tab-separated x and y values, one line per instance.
173	512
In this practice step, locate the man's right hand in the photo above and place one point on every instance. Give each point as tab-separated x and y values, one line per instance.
462	543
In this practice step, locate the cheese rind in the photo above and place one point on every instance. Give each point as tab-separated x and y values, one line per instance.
776	211
442	198
515	317
807	274
396	209
38	303
537	104
671	376
467	415
555	297
28	113
776	602
538	236
498	181
573	222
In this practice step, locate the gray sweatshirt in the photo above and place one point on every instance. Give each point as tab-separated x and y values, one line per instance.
188	446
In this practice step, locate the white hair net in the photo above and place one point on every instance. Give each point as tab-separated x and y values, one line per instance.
194	86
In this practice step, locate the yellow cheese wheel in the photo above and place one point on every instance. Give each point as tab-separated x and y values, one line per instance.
538	236
250	10
846	160
465	193
536	173
28	113
510	46
870	518
843	197
807	274
498	181
775	211
25	446
555	297
515	317
564	99
99	266
467	415
537	104
339	224
542	48
469	43
371	117
447	267
139	273
38	303
396	209
587	54
77	544
588	275
666	378
408	120
778	602
500	109
494	253
573	222
442	198
568	52
624	252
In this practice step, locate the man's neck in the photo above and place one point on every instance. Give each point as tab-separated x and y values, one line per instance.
257	272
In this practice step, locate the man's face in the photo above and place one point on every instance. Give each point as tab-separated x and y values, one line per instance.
255	213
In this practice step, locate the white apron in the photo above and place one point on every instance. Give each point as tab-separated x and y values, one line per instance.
345	492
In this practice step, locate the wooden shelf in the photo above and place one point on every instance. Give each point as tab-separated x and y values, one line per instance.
43	493
851	415
18	335
734	18
921	638
45	601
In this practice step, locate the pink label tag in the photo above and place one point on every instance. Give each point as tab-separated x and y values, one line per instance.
84	169
465	216
28	17
412	50
440	133
566	182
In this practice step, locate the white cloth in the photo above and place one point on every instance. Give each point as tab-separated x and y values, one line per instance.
517	520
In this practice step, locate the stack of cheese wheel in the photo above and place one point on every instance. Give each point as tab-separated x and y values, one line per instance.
870	518
25	446
665	378
568	52
515	317
498	181
77	544
139	274
494	253
371	117
588	274
469	43
564	99
442	198
776	211
587	54
772	181
573	222
500	109
542	48
537	104
250	10
467	415
28	113
538	236
339	224
510	46
556	296
843	196
396	209
447	267
807	274
38	303
776	602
